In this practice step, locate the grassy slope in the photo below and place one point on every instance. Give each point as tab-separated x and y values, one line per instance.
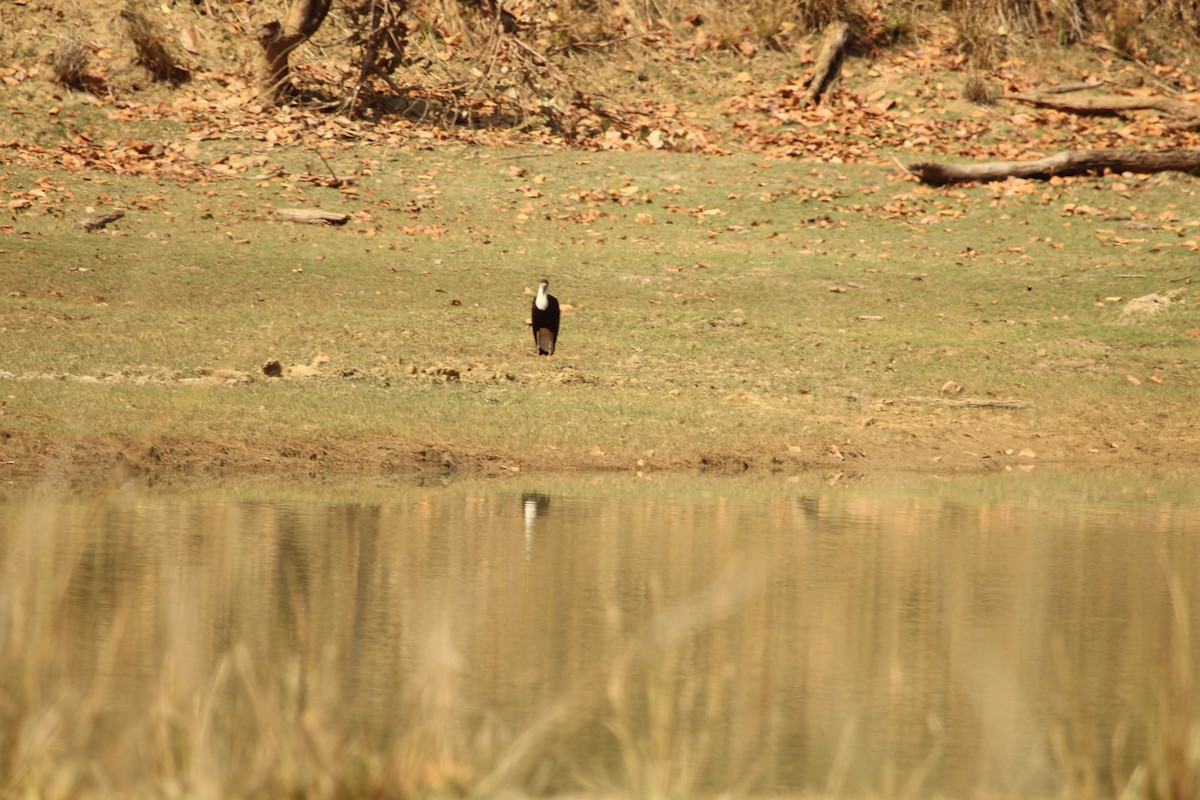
702	322
725	311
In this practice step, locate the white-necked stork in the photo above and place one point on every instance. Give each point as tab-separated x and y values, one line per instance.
544	317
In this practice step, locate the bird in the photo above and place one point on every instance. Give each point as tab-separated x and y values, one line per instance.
544	317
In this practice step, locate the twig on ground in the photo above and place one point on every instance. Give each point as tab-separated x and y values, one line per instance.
967	402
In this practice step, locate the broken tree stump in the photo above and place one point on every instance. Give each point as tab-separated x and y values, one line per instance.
310	216
1070	162
277	41
829	61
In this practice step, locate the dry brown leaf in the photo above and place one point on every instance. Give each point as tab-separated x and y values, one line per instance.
188	39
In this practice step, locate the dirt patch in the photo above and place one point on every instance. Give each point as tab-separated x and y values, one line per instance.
1150	304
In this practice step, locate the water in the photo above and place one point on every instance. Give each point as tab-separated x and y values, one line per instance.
1010	635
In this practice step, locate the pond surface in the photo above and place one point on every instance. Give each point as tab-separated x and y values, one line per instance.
1008	635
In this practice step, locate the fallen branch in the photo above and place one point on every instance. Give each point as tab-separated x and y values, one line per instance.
310	216
967	403
829	61
1071	162
1061	88
580	44
1186	115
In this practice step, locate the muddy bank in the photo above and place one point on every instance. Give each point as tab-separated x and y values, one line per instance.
922	447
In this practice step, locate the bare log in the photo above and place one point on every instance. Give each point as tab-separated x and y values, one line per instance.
279	39
1070	162
311	216
1185	115
829	61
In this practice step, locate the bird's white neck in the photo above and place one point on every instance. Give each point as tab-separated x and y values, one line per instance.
541	302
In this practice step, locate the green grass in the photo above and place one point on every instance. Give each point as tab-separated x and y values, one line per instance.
724	304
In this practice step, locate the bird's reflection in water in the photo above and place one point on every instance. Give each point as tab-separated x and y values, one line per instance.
535	505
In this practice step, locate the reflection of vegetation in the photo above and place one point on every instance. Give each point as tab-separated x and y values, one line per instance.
1172	768
742	639
1156	753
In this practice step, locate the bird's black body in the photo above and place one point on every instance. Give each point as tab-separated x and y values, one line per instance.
544	317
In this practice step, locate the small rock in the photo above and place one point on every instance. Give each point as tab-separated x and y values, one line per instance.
302	371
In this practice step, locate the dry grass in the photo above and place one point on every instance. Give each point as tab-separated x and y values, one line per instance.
976	89
988	30
700	340
149	42
71	63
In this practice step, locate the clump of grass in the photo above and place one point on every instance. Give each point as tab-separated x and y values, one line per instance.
70	63
814	15
986	30
1181	15
149	42
771	20
1067	22
976	89
1148	31
981	30
897	22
